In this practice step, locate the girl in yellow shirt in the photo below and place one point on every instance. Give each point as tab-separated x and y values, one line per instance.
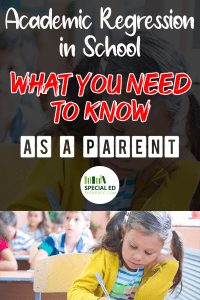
130	259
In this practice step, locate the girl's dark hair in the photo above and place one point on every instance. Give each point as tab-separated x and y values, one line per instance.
112	240
149	222
44	224
178	252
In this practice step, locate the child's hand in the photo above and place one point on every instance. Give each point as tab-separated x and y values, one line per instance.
104	298
184	154
161	258
165	162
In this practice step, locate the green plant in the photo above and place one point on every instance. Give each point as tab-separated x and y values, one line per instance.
94	226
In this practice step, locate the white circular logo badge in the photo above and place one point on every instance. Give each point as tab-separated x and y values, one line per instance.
99	185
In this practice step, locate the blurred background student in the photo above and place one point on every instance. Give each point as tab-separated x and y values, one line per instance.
38	227
57	223
19	242
7	259
72	241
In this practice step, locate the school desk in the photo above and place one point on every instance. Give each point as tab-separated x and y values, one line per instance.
23	262
18	285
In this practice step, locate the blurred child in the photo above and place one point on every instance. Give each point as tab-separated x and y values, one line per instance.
57	223
130	259
19	114
145	183
38	226
58	226
19	241
87	232
72	241
7	259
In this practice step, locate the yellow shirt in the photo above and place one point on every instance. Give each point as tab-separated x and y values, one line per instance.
63	175
154	286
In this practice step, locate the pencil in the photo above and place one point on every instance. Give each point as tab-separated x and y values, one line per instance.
100	280
53	200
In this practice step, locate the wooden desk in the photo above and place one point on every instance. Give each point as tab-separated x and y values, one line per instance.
23	262
22	257
18	285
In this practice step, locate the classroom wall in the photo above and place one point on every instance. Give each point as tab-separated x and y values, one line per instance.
100	218
190	236
21	217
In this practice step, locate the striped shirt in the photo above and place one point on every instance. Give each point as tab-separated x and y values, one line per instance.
38	235
22	241
126	284
123	199
55	244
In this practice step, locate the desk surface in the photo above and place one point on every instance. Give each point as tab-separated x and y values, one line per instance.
18	285
16	276
24	257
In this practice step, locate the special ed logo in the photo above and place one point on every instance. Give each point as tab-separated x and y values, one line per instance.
99	185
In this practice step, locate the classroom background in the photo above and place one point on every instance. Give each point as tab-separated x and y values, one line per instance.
186	223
